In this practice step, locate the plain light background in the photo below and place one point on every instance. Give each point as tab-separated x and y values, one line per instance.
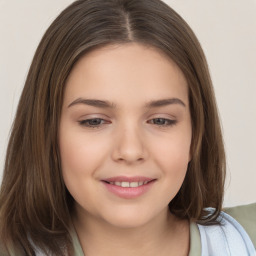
227	32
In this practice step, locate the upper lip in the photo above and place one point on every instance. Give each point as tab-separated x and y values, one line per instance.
128	179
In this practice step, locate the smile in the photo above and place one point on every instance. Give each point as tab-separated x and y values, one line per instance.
128	187
126	184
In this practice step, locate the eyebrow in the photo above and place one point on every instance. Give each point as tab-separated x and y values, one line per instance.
106	104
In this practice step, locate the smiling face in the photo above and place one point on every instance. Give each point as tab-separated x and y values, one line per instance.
125	121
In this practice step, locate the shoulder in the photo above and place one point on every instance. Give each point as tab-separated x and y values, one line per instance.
246	216
227	238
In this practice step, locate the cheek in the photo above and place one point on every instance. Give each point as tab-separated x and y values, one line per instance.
173	151
172	156
78	152
80	159
173	164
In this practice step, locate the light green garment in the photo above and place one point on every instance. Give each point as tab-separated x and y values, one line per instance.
245	215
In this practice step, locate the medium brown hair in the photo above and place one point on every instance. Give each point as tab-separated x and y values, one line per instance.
35	206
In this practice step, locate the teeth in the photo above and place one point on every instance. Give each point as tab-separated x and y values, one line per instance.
134	184
126	184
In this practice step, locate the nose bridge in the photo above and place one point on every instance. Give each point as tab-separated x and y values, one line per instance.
129	142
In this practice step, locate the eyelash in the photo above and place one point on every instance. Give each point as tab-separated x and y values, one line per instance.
86	121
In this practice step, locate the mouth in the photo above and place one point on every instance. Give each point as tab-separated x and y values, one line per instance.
126	184
128	187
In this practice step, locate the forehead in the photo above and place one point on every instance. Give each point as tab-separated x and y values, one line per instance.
129	71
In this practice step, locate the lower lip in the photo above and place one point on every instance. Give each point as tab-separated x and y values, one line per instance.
128	193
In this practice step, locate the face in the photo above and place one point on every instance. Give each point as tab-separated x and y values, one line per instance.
125	134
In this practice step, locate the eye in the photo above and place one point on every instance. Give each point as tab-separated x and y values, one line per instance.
163	122
98	122
92	123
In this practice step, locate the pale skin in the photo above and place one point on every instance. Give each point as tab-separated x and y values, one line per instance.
131	138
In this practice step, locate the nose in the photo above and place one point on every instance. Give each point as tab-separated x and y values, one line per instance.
129	146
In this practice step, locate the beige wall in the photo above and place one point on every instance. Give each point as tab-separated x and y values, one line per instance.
227	31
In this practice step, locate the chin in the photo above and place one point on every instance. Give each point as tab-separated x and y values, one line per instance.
128	220
127	223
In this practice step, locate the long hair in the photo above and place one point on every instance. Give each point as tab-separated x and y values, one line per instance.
35	206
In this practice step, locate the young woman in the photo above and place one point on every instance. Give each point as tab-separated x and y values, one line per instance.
116	147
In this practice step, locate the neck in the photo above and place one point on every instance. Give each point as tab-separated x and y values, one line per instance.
165	235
